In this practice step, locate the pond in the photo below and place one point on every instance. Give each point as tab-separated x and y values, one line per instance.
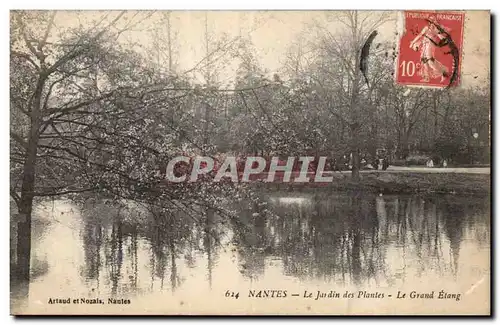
293	242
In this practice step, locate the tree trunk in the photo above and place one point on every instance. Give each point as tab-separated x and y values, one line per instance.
356	162
435	111
27	188
24	240
405	152
354	109
205	134
169	43
355	133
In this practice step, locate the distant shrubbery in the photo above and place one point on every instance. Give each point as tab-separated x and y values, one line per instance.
416	160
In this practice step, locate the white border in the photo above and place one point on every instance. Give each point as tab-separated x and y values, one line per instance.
185	5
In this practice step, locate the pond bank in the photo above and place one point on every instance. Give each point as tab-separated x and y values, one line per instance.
400	183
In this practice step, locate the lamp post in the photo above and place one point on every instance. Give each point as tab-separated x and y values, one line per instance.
475	136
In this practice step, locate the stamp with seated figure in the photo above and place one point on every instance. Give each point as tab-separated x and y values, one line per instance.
430	49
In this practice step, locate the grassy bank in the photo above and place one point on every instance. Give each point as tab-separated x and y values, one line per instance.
398	182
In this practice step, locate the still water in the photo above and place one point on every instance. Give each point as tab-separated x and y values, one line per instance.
311	241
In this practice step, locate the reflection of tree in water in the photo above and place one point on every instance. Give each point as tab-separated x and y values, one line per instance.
178	234
461	216
253	239
210	242
92	238
453	227
479	220
170	235
163	239
429	230
110	242
345	238
114	254
341	238
182	234
93	235
324	238
354	238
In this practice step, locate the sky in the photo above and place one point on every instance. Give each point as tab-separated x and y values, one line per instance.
272	34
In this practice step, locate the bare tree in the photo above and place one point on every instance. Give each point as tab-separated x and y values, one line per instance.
344	49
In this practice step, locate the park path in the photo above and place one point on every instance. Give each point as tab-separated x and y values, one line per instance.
460	170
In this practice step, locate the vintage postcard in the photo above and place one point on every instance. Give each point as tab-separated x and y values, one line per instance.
250	163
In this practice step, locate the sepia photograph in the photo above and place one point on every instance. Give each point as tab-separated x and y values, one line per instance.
272	162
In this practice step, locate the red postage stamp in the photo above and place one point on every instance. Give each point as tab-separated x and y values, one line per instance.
430	49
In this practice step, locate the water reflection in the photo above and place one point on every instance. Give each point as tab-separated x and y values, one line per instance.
342	239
